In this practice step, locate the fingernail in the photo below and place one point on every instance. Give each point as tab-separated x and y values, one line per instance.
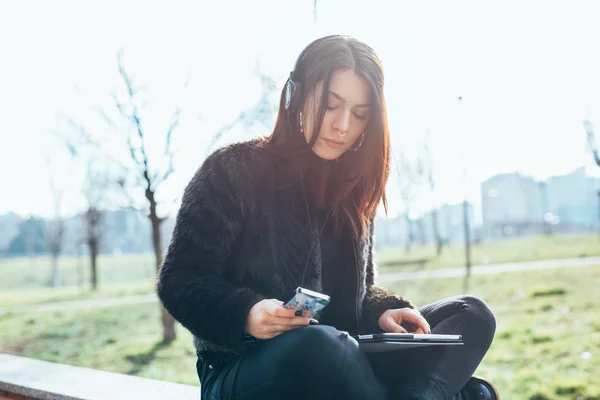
298	313
313	322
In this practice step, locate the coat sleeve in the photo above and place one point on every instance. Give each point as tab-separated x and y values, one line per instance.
192	283
377	299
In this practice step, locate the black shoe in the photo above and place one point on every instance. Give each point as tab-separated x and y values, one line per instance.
478	389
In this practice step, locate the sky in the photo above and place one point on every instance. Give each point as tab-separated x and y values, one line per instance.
527	73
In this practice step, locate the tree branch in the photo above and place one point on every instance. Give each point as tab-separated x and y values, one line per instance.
174	124
134	117
122	184
591	139
262	112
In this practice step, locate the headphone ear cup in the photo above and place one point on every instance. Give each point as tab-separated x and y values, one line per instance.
290	87
292	93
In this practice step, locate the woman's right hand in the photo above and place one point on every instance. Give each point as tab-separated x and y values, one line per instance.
268	318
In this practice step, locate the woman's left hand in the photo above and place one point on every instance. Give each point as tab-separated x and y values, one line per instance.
395	320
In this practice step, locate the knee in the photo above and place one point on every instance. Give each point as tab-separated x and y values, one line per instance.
323	339
478	309
320	345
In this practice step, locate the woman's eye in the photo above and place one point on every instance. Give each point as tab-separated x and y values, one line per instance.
360	117
329	108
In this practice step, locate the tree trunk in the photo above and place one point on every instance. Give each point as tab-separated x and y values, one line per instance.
421	231
54	278
410	234
94	264
436	231
168	322
599	208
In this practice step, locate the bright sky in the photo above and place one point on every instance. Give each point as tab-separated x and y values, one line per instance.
528	73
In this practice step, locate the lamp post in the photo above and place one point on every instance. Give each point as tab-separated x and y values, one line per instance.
466	224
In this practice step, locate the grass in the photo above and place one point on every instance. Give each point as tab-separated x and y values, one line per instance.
133	274
23	280
547	341
34	272
123	340
546	346
495	252
11	298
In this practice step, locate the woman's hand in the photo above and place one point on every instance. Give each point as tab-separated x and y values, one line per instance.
268	318
403	320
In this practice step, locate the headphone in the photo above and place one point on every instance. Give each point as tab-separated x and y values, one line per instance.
293	89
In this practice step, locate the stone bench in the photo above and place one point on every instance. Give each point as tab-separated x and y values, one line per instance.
27	379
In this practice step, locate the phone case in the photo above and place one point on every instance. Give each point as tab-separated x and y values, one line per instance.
309	302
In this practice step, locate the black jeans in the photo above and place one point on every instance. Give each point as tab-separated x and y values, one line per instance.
320	362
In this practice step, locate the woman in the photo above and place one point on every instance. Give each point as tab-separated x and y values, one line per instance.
263	217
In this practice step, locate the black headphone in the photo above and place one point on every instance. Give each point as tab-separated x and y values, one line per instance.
293	88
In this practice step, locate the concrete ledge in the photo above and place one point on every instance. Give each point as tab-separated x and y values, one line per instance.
43	380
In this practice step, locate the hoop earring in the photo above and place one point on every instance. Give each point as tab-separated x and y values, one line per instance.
358	143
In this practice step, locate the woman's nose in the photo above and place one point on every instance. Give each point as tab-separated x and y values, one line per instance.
342	123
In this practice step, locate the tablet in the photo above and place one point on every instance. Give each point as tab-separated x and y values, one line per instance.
398	341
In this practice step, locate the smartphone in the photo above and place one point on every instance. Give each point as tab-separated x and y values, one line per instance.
311	303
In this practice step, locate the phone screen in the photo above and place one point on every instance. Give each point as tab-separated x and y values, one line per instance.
309	305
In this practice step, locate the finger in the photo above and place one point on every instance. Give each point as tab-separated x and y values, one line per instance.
276	303
300	321
281	312
392	326
415	318
281	328
419	331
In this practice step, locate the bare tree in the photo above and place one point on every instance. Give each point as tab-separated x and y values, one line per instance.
407	183
427	174
140	175
591	140
95	191
54	234
146	177
262	113
593	145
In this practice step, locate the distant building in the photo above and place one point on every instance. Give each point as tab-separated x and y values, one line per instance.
512	204
395	231
517	205
9	229
451	222
573	201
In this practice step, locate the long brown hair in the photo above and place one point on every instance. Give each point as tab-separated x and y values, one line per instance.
361	175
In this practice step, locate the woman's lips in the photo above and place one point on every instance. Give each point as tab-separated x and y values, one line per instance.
334	143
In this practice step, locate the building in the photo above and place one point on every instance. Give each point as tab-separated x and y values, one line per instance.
517	205
574	201
396	231
512	205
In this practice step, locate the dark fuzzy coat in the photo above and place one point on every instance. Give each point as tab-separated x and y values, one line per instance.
238	240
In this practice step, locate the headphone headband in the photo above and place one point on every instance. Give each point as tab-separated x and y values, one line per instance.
292	86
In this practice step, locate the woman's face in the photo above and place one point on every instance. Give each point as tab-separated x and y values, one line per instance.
346	115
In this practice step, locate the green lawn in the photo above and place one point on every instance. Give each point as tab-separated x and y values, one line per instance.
548	332
494	252
134	273
11	298
546	347
34	272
